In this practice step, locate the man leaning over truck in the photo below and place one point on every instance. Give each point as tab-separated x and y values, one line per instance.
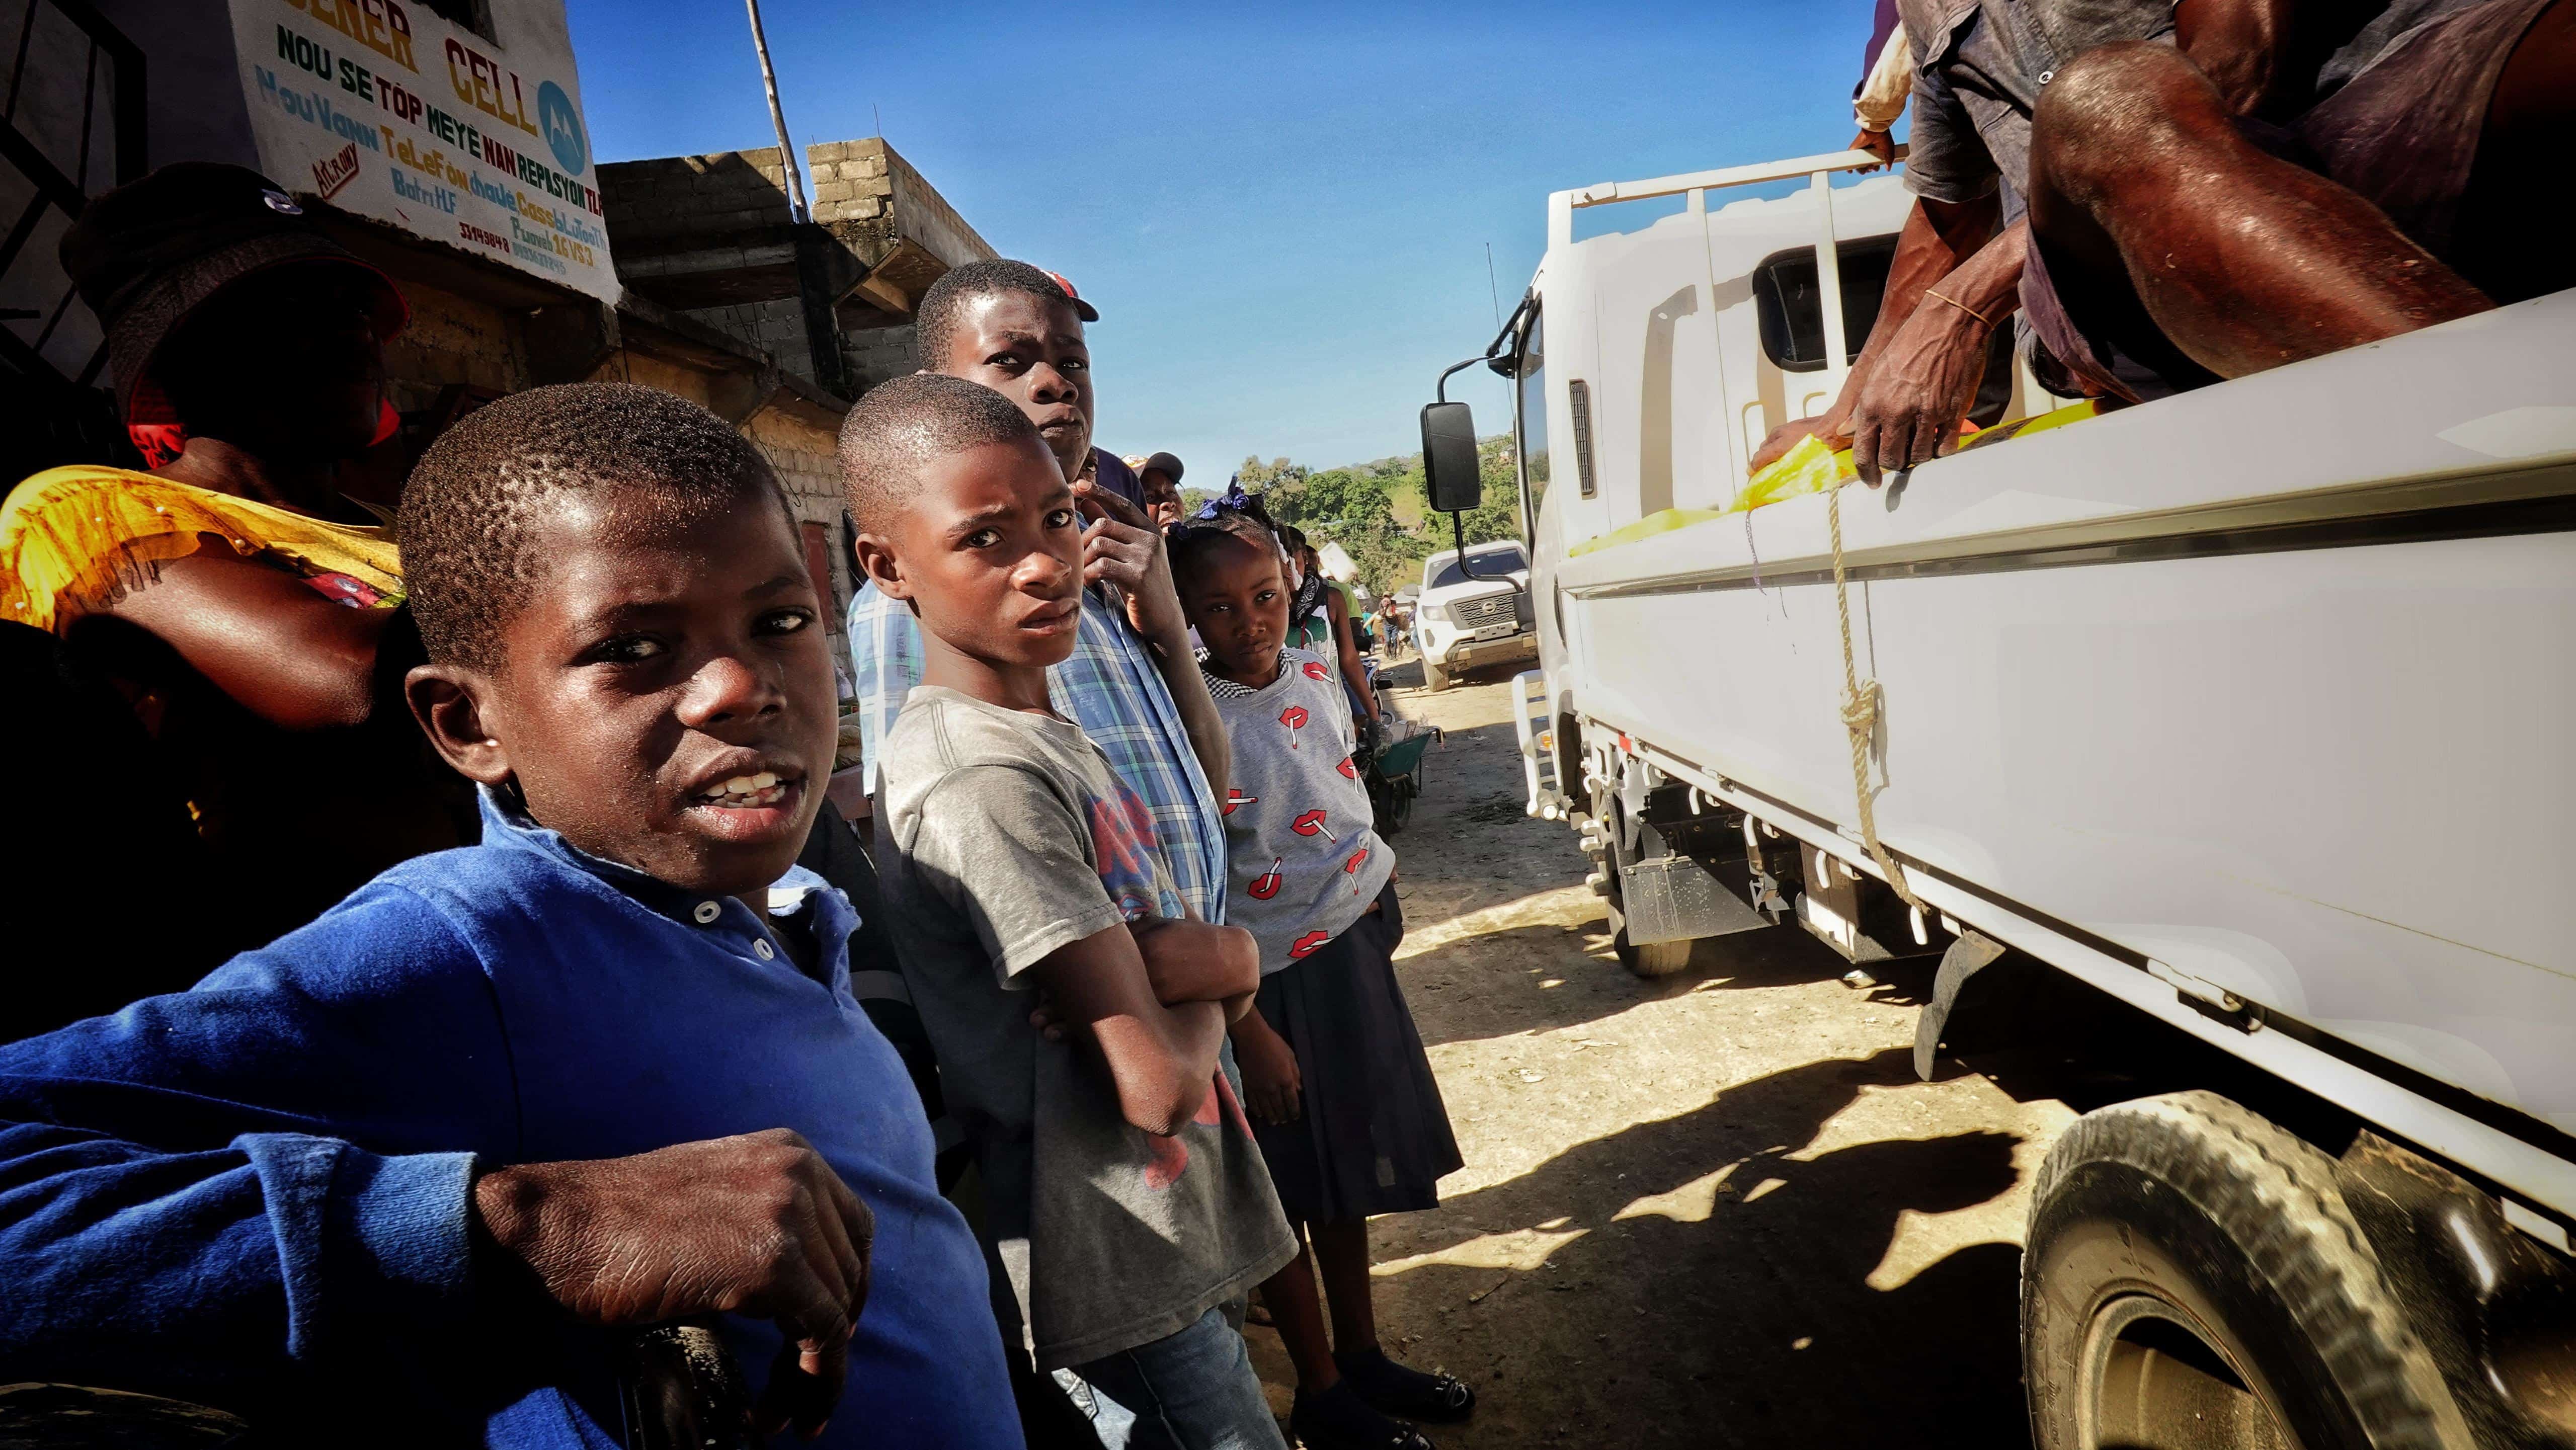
2173	194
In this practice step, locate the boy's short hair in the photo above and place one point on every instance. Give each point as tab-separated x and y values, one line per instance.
467	508
935	320
901	425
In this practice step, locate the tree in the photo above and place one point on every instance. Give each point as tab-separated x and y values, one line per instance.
1356	507
1257	476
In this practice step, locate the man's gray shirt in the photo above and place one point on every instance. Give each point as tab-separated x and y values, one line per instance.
1979	68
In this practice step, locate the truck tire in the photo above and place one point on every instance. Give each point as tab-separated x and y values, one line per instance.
1660	959
1657	959
2193	1278
1434	678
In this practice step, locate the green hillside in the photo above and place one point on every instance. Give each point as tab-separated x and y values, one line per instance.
1379	510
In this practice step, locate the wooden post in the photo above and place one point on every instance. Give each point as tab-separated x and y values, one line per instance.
796	208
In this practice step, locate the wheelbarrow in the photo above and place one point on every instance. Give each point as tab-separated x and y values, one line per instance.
1393	774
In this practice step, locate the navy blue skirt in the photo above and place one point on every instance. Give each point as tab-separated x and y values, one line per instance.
1372	1136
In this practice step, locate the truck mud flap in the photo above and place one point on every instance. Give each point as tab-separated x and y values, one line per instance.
1674	898
1966	957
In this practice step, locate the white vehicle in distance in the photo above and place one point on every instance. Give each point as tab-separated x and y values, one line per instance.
1475	615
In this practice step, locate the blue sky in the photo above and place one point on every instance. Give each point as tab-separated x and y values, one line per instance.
1281	212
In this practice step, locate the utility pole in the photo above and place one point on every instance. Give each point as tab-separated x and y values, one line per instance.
786	149
814	298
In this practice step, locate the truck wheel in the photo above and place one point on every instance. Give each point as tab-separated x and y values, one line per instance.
1658	959
1662	959
2194	1279
1434	678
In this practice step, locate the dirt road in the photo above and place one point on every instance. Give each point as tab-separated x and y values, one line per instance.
1711	1210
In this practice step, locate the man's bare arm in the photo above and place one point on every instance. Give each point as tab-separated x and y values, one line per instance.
265	638
1162	1059
1924	381
1937	238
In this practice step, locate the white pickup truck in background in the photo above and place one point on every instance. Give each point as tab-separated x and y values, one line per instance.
1462	622
2249	709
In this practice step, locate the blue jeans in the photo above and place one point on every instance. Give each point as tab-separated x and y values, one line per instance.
1190	1390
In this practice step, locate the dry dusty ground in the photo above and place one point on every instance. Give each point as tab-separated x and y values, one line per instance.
1716	1209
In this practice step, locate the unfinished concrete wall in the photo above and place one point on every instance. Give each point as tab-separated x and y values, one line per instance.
710	237
453	341
864	181
876	205
873	355
776	327
701	231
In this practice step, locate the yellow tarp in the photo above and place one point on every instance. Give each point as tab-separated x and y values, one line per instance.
1810	467
1662	521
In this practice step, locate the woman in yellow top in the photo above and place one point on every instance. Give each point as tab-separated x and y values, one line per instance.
240	603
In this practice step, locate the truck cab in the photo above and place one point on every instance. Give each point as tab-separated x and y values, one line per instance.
1475	614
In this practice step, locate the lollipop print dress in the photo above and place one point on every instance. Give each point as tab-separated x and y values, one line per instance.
1311	880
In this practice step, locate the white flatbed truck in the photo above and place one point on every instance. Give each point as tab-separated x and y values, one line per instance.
2250	708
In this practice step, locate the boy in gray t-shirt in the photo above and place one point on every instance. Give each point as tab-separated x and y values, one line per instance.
1125	1196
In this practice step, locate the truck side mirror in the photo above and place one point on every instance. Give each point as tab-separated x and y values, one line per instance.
1449	468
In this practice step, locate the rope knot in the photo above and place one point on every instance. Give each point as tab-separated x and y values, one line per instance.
1860	709
1861	702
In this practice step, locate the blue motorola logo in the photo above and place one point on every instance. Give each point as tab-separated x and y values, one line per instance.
561	123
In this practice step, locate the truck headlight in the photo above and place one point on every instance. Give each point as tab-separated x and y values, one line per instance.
1436	613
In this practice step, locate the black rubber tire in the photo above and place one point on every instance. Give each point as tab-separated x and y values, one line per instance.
1659	959
2190	1218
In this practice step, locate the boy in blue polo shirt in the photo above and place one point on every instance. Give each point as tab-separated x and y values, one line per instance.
402	1173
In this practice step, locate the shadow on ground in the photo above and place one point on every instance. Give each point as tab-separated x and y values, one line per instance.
1708	1277
1761	1326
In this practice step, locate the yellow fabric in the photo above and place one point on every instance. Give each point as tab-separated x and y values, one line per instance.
1810	467
1662	521
89	533
2055	418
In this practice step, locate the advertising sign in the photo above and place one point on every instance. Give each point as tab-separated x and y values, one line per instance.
386	110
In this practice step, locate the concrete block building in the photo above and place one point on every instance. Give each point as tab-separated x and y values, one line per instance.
714	237
712	241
